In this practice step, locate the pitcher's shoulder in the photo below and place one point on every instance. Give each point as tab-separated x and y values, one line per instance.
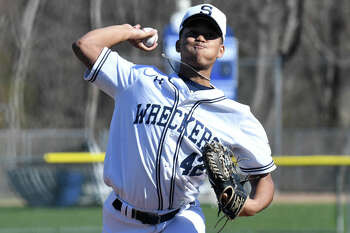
236	106
149	71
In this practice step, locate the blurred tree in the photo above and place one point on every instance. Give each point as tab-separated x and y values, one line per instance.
24	42
278	36
324	29
316	83
93	92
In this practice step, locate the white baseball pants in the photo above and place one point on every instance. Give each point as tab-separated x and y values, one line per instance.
190	219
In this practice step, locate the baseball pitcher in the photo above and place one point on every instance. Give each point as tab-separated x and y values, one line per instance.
171	132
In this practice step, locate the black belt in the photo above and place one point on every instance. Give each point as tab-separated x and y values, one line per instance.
146	217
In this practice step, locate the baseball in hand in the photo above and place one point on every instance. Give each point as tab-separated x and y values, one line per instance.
149	42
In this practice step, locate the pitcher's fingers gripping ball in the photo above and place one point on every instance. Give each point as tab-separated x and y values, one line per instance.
224	179
150	41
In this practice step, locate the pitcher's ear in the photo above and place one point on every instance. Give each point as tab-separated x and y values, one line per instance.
177	46
221	51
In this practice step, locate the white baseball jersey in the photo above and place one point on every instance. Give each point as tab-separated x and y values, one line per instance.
153	159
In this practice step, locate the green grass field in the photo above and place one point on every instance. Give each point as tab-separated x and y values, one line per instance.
311	218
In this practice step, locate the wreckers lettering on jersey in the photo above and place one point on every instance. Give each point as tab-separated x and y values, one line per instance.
155	114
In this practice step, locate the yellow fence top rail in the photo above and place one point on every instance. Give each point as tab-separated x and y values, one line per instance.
285	160
312	160
74	157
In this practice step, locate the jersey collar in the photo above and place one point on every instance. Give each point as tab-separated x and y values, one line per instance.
198	95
